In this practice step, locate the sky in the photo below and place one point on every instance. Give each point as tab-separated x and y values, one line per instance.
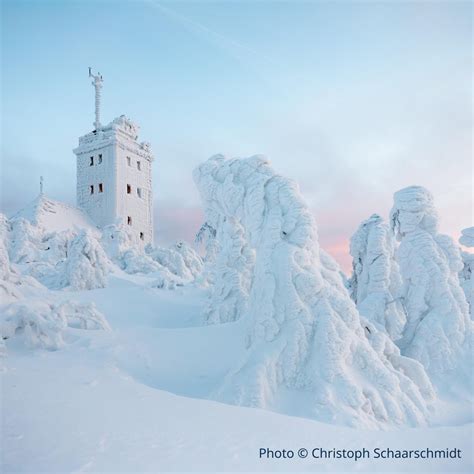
353	100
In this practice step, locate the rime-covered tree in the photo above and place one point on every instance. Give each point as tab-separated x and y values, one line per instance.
466	275
303	331
438	330
376	283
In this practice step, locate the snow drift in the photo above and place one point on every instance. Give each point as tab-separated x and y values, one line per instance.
376	283
302	329
438	331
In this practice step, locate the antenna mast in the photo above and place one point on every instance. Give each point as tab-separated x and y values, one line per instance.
97	83
41	184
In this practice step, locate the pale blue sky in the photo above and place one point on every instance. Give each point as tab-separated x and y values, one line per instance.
354	100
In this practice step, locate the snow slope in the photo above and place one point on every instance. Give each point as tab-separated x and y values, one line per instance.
103	403
111	371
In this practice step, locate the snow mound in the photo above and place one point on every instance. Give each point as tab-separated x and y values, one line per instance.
41	324
55	216
303	332
438	330
376	283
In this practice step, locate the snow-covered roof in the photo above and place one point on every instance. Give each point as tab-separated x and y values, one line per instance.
55	216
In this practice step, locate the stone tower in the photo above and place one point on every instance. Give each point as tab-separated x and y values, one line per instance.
114	183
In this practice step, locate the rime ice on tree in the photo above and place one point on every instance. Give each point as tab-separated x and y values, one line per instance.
114	174
438	330
303	332
376	283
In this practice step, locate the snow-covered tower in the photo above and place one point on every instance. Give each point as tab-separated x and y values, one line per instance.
114	174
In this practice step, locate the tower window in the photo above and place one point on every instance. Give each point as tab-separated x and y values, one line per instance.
139	165
139	192
129	161
129	189
100	158
91	163
142	236
91	187
101	188
129	220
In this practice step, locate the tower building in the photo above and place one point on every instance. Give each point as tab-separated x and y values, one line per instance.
114	174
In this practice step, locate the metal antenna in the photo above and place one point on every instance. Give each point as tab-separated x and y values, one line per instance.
97	83
41	184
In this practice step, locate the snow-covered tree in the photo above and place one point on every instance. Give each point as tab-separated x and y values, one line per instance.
180	262
303	331
466	275
438	327
25	241
86	266
231	275
376	283
180	259
41	323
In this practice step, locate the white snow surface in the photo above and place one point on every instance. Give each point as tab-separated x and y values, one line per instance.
304	336
115	373
131	400
439	331
376	284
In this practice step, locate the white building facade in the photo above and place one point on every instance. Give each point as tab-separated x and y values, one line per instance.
114	175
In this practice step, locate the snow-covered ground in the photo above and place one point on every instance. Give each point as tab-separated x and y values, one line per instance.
130	399
119	358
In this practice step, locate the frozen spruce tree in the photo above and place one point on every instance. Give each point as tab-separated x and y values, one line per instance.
438	330
376	283
466	274
86	266
301	329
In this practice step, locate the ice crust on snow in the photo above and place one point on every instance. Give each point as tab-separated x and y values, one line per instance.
376	284
303	330
438	332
